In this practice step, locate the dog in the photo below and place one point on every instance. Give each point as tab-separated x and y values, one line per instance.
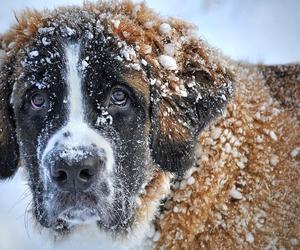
130	122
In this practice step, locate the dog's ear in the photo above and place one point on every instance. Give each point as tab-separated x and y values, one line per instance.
179	114
9	154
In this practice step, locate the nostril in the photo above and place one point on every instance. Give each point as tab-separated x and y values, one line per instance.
60	176
86	174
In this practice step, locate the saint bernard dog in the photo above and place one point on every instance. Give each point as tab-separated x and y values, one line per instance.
132	123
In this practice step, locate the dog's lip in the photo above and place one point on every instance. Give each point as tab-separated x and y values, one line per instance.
78	215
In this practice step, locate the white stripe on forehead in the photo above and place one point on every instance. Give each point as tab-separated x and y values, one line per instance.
72	53
81	134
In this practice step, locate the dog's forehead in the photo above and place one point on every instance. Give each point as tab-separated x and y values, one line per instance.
101	56
140	39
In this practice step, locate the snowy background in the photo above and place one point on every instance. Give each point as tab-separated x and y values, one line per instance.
256	31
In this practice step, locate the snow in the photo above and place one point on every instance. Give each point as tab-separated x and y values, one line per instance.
70	31
45	41
175	209
227	148
128	53
234	45
84	64
167	62
149	24
34	53
295	152
273	135
135	66
144	62
116	23
169	49
46	30
249	237
274	160
164	28
190	180
235	194
156	236
152	81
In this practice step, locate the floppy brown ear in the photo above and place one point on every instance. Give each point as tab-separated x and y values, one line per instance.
9	153
179	116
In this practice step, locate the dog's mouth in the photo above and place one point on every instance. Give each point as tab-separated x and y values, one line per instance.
78	215
66	210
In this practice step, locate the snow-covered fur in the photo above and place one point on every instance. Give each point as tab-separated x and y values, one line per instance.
242	188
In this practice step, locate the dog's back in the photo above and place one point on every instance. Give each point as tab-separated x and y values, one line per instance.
246	190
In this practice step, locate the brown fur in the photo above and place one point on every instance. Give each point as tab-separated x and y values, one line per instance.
258	163
251	148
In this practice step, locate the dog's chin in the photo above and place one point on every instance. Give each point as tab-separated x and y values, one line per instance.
78	215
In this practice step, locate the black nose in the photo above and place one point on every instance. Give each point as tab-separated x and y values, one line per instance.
78	176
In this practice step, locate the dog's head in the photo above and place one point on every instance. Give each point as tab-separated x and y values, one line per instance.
95	101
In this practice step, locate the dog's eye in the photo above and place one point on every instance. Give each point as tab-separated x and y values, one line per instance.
119	97
38	100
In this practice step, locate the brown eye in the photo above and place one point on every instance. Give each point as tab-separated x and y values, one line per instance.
119	97
38	100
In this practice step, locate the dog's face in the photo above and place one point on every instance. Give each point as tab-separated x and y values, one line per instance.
83	130
91	128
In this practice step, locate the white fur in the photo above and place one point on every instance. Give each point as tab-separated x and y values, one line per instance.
81	134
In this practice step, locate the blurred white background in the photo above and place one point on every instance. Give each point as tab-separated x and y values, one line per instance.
253	30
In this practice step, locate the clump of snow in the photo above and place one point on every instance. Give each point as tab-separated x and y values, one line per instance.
137	8
45	41
274	160
295	152
249	237
164	28
70	31
34	53
181	90
152	81
167	62
190	180
175	209
156	236
40	85
147	49
11	45
104	119
128	53
46	30
169	49
116	23
135	66
240	164
99	26
84	63
227	148
126	34
149	24
144	62
259	139
215	133
235	194
273	135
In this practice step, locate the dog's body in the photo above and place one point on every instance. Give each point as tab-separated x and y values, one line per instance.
104	105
